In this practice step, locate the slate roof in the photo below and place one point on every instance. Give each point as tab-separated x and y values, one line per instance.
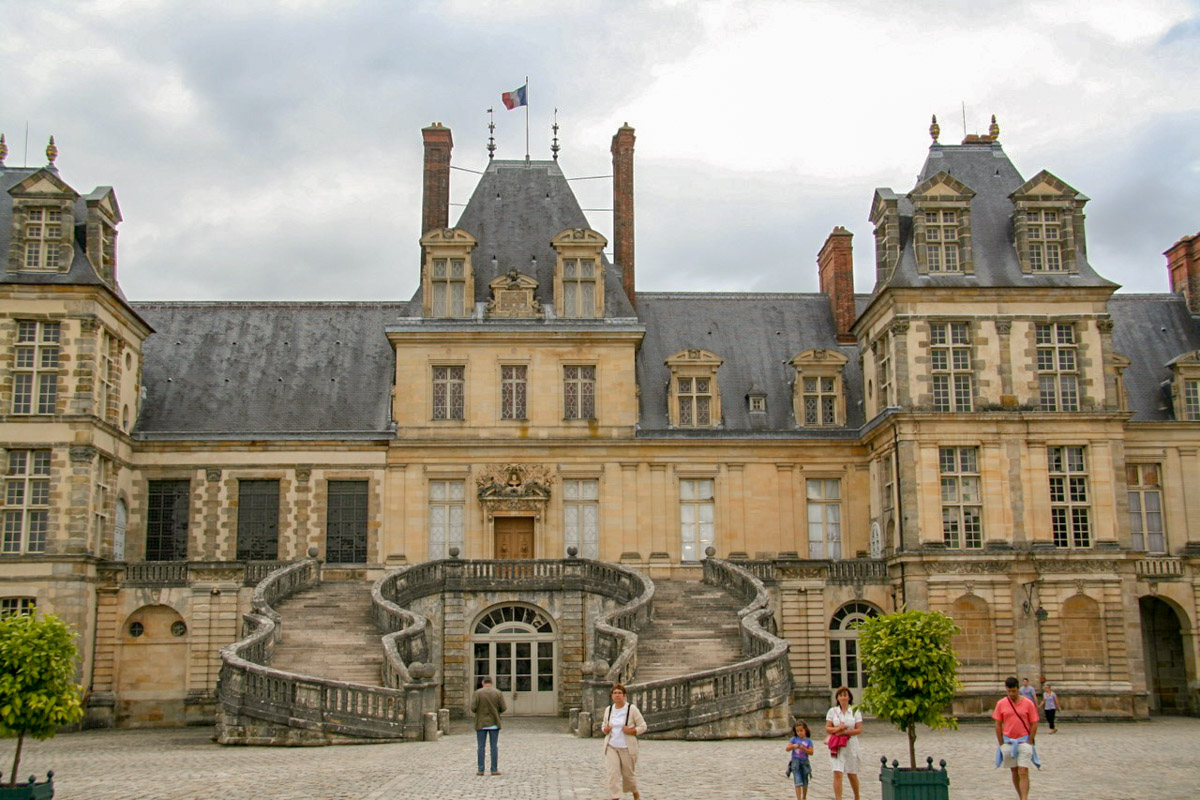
287	370
756	335
1151	330
987	171
516	209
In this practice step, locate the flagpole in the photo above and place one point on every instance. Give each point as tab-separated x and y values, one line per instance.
526	118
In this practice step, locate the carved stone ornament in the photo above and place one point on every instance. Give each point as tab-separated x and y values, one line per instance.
1004	326
303	474
508	488
212	475
900	327
966	567
512	297
82	454
800	572
1063	565
1105	324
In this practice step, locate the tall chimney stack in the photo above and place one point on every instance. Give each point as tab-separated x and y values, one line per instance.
1183	265
835	265
435	202
622	155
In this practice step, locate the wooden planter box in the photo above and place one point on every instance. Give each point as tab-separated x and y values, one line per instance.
906	783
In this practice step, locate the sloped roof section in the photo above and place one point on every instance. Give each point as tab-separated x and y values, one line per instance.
290	370
1151	330
516	209
756	335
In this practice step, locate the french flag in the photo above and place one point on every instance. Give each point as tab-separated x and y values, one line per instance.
517	97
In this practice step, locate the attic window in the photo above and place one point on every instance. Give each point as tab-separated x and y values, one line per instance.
1044	234
447	277
579	274
758	403
818	398
44	239
1047	224
942	244
693	397
942	225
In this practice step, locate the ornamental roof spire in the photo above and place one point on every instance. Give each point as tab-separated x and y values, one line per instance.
3	150
934	129
51	153
994	129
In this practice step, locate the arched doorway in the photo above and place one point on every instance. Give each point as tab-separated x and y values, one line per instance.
152	668
517	646
845	668
1166	664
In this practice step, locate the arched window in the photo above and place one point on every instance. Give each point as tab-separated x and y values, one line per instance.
845	669
974	645
1083	632
516	646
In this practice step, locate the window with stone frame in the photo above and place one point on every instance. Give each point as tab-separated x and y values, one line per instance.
46	230
941	225
818	394
513	392
1047	224
1057	366
942	246
962	500
447	517
1191	399
579	287
882	348
579	273
35	367
1070	498
12	606
950	363
449	391
1145	507
579	391
694	398
107	373
449	282
1044	239
168	507
447	275
697	517
581	516
26	502
346	518
102	500
258	520
824	496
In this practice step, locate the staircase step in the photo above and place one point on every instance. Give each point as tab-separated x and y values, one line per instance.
694	627
328	633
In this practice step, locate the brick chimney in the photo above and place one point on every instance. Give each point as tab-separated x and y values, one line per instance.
622	154
835	265
435	202
1183	264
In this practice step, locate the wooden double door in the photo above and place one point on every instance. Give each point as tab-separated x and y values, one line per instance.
513	537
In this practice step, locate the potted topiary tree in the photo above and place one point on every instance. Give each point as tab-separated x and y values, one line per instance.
912	677
38	692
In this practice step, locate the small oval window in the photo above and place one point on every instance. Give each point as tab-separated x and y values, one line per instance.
178	628
136	629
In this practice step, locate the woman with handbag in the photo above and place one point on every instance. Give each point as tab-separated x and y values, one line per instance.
843	722
623	723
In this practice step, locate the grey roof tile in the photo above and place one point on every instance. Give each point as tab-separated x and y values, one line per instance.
1151	330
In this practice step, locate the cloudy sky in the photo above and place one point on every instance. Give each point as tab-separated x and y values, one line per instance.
272	150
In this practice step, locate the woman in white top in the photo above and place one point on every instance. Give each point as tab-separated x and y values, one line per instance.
844	720
623	723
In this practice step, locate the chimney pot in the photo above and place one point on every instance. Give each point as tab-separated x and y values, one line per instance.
1183	267
835	269
622	155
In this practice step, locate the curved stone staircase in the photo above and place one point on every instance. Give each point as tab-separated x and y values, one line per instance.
694	628
328	633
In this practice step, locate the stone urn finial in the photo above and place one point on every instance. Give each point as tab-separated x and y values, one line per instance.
572	551
313	551
710	551
935	130
453	551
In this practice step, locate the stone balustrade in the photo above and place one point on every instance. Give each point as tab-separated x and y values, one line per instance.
1160	567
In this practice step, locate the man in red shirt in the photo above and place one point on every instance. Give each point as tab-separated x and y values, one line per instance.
1016	729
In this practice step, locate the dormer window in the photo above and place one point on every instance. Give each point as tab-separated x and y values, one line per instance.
1044	235
1185	386
818	398
941	241
1047	224
43	224
447	277
579	274
694	398
43	239
942	225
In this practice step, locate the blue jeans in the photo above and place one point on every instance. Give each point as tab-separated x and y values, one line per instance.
480	737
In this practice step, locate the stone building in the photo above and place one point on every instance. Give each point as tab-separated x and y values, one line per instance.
989	431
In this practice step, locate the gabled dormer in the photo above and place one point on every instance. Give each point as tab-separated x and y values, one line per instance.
447	276
693	395
42	238
579	273
1048	225
100	236
819	393
941	209
1185	386
885	216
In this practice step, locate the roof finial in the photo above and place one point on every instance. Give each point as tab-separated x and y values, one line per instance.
3	150
934	129
491	147
554	148
51	152
994	129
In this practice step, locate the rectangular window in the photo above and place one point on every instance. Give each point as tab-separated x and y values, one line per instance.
258	520
820	400
449	282
579	392
1145	507
581	516
695	402
512	392
950	362
43	238
11	606
579	287
26	502
1070	503
448	390
1057	367
447	512
35	367
883	369
346	523
697	512
941	241
167	511
824	518
962	502
107	402
102	500
1044	234
1191	400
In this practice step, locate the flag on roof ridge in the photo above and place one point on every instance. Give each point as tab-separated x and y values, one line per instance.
517	97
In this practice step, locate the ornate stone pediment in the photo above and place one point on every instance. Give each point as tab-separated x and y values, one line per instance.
509	488
512	296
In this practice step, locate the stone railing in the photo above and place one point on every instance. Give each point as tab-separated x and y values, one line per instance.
717	703
156	573
261	705
850	570
1161	567
614	636
857	570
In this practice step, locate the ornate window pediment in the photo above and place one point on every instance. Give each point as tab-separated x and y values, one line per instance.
514	487
818	394
43	224
1185	386
513	297
447	276
942	225
579	273
693	396
1047	224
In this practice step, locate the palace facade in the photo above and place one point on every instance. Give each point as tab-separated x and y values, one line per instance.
989	431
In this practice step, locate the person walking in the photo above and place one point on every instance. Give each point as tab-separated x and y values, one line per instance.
1016	732
487	704
623	723
1028	691
1050	705
800	745
843	723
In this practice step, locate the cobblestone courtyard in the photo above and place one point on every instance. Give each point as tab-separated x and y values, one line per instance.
1097	761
